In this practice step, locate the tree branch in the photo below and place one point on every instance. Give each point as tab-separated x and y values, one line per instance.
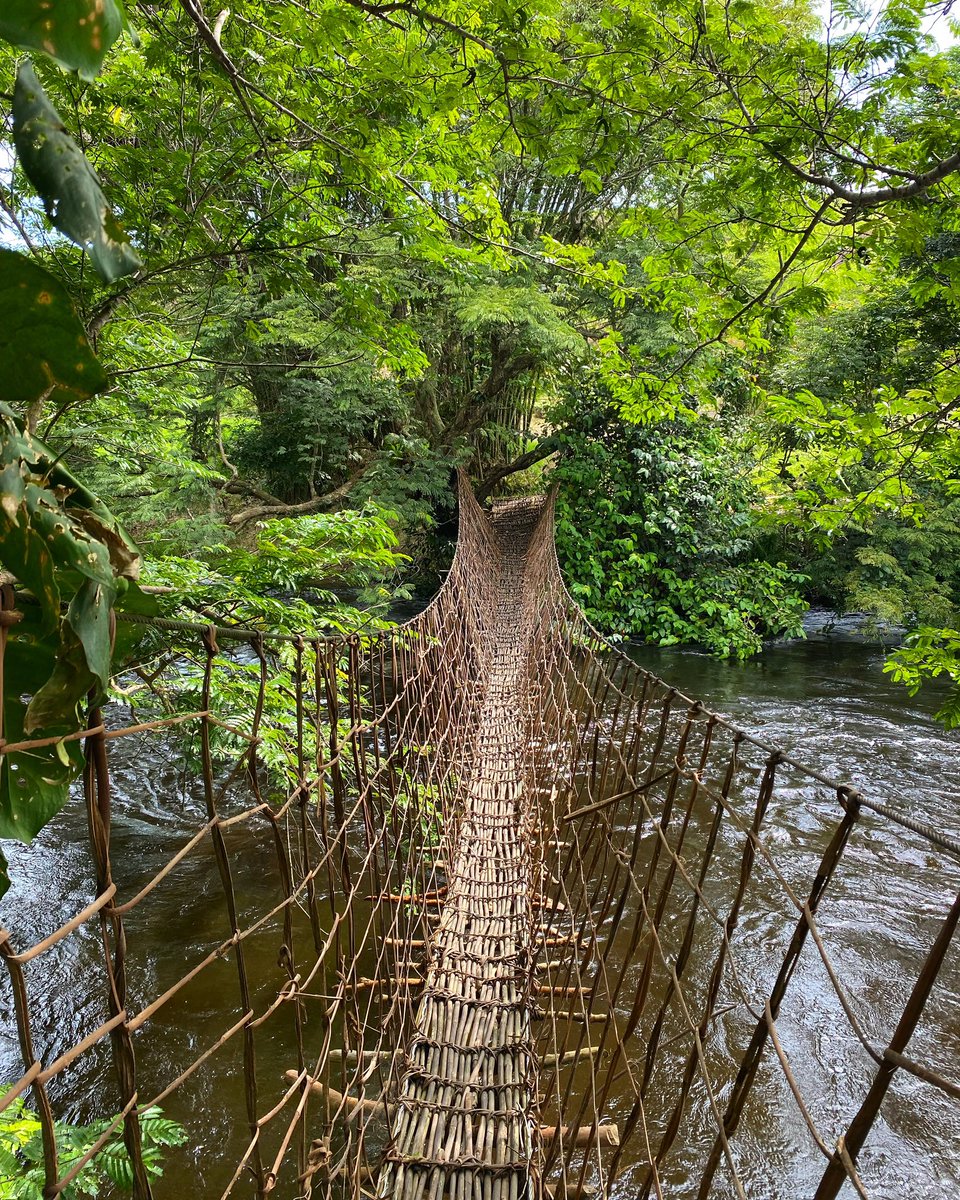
474	411
278	509
759	298
871	197
430	18
240	487
540	451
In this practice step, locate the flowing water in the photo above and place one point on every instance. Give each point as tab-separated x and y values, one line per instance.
828	704
831	707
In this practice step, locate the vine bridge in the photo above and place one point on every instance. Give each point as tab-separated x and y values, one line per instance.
502	917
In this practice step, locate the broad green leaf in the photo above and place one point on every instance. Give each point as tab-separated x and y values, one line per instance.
55	537
22	546
34	784
77	33
71	191
83	662
44	353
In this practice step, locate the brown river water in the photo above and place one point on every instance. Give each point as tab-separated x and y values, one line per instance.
829	705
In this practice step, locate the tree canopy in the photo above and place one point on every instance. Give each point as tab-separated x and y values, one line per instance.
298	260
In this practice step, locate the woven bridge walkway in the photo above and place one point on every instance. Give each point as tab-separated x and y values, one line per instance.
470	1085
499	916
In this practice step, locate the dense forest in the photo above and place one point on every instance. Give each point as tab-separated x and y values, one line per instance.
270	274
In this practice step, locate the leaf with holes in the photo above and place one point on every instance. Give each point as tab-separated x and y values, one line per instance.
72	195
76	33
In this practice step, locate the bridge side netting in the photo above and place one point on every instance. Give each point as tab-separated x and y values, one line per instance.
720	1003
694	1010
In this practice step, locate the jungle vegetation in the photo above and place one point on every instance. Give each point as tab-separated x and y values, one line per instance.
269	274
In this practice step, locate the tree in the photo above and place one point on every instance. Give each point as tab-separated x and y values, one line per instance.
657	536
376	241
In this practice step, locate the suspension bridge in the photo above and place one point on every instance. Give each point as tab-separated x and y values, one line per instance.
536	930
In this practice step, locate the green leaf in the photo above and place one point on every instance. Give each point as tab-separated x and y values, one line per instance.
84	659
44	353
34	784
71	191
77	33
48	523
22	1151
56	536
58	540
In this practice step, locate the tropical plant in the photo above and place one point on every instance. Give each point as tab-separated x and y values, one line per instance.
22	1174
56	538
656	532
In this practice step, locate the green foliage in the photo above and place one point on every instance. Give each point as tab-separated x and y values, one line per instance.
522	312
77	33
58	169
894	571
44	353
876	333
56	539
420	803
380	245
283	584
860	472
21	1153
415	479
656	535
929	654
313	431
63	545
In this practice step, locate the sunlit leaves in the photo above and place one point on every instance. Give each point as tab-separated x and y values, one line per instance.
642	396
842	462
22	1148
929	654
283	584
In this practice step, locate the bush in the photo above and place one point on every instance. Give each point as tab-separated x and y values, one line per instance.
21	1153
656	534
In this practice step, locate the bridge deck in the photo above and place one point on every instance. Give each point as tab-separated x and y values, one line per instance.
464	1103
